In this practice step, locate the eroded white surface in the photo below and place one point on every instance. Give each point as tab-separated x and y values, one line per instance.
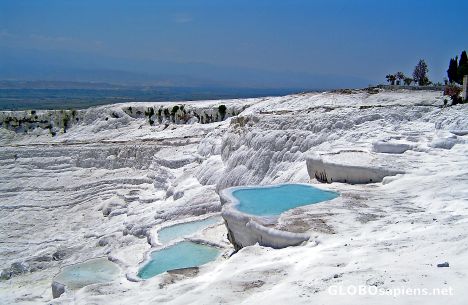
104	186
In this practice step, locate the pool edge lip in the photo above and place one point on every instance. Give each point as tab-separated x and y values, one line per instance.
261	234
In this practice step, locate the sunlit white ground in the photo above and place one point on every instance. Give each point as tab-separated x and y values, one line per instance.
105	187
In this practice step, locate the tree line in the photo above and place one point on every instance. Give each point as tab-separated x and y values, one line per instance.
456	70
419	76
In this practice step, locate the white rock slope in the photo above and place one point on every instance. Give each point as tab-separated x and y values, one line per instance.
103	186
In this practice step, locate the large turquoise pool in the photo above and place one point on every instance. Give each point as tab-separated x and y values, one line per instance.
274	200
181	255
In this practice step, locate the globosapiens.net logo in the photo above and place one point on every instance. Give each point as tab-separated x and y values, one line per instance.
364	290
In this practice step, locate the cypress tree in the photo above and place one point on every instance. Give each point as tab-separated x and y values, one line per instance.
452	72
462	67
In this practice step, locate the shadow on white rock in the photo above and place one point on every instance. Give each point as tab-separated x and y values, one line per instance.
444	143
391	147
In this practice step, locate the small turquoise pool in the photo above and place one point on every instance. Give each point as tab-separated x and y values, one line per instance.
274	200
174	232
181	255
99	270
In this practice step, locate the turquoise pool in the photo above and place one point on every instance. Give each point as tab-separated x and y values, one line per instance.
181	255
99	270
174	232
274	200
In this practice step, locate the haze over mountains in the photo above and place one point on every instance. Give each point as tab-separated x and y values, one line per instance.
50	65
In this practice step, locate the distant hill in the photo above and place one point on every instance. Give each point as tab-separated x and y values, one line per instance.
50	66
8	84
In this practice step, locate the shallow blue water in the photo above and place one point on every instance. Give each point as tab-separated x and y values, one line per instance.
274	200
168	234
94	271
181	255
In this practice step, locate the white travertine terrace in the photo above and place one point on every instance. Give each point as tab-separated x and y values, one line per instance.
247	230
105	186
354	167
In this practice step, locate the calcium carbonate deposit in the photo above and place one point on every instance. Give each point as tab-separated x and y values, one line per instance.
101	182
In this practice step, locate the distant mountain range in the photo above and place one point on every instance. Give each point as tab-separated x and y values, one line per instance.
8	84
71	68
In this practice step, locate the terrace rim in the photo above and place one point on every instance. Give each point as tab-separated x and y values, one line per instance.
247	230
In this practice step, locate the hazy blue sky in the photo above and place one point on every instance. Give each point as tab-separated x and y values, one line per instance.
295	42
